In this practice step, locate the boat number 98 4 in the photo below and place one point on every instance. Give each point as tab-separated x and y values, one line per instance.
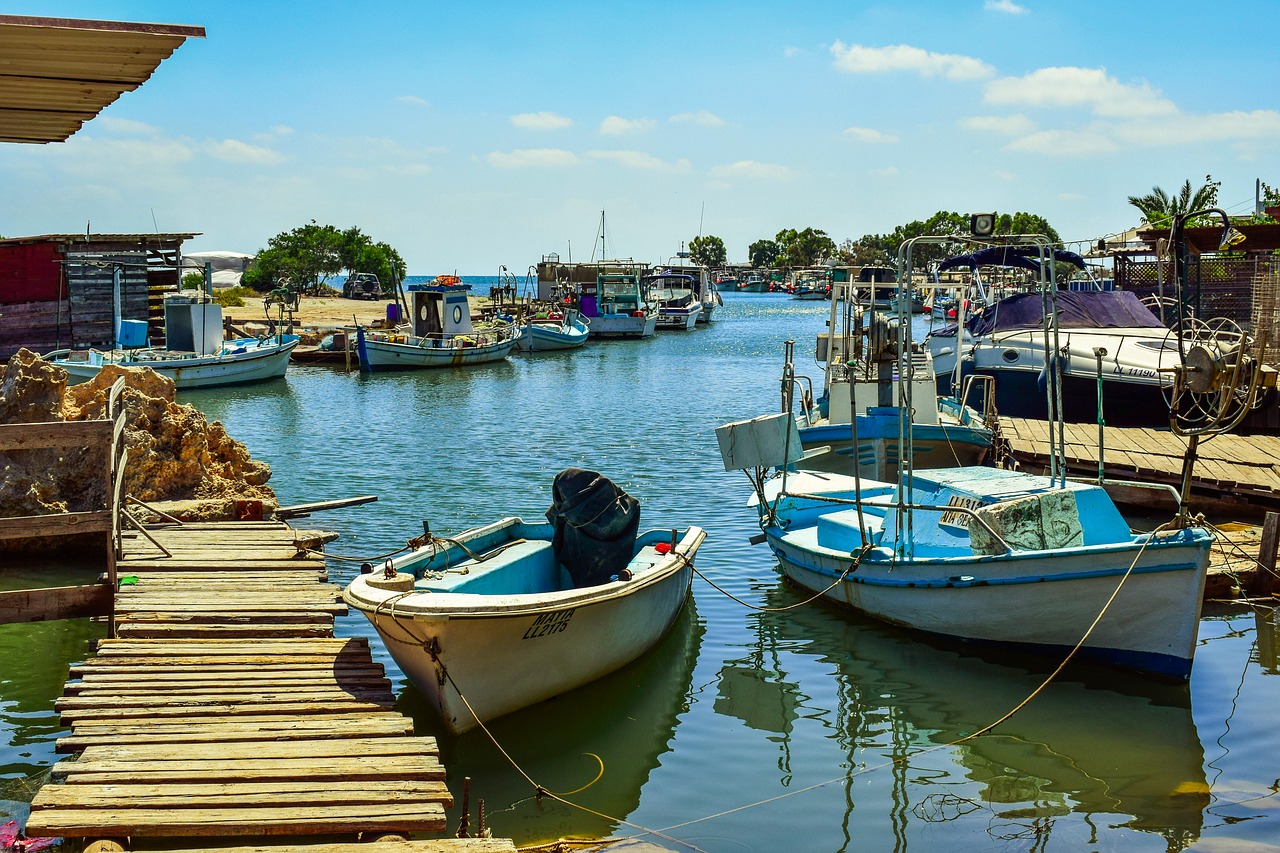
548	623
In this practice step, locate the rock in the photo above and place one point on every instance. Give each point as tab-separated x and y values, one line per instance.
174	452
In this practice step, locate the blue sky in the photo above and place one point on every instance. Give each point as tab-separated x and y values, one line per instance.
473	135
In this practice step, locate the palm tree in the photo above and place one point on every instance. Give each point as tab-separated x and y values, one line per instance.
1159	209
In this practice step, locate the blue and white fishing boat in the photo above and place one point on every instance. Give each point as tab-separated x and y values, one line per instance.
195	355
860	396
991	557
439	332
676	299
559	329
500	617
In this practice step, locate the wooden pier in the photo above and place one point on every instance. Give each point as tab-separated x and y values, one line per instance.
225	707
1232	472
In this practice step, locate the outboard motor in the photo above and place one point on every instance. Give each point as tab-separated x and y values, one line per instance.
595	525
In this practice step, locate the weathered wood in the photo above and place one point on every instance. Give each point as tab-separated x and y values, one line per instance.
57	524
221	732
241	795
410	767
63	602
286	512
54	434
298	820
73	716
431	845
266	750
1264	579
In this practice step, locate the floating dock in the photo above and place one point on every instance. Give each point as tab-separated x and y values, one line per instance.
225	707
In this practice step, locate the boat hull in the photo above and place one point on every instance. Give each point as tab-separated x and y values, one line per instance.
676	318
933	446
380	355
1041	602
252	363
506	652
623	326
537	337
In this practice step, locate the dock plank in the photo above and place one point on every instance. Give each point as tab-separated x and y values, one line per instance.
296	820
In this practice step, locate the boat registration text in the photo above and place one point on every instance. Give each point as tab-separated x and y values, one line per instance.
548	623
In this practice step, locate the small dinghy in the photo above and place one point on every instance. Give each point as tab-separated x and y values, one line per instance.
506	615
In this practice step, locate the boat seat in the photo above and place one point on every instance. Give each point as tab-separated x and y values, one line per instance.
539	573
838	531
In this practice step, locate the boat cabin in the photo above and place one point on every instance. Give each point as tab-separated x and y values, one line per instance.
439	310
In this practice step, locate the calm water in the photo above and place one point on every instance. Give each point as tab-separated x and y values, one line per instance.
808	730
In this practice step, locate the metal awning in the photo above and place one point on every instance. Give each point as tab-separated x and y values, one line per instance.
57	73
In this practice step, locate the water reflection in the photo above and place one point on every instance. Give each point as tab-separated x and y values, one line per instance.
1115	749
616	728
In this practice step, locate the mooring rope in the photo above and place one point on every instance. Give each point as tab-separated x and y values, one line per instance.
862	552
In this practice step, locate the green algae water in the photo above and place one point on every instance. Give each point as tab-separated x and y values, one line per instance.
747	729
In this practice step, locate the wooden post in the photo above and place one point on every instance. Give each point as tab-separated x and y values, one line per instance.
1264	579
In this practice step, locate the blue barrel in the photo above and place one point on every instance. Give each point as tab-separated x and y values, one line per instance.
393	313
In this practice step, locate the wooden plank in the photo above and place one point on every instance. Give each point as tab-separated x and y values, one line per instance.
156	675
250	630
428	845
54	434
313	793
56	524
234	709
86	736
265	722
266	750
230	691
299	820
63	602
408	767
181	564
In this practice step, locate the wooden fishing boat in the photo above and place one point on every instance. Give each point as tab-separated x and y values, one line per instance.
556	330
512	613
439	332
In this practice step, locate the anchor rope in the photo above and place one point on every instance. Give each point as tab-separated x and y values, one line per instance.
852	567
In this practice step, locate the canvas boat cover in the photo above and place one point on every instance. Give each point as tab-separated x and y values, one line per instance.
595	525
1086	309
1026	257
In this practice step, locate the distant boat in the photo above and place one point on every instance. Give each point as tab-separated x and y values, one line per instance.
753	283
500	617
556	330
195	354
614	304
676	299
439	332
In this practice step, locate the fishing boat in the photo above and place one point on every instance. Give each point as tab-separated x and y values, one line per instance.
861	392
810	284
981	555
439	332
614	304
753	283
506	615
195	355
558	329
676	299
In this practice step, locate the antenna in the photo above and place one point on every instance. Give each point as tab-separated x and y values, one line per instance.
153	220
701	216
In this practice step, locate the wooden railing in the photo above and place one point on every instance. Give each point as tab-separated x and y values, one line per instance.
30	605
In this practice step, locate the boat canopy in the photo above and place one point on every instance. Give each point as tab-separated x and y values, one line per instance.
1026	257
1085	309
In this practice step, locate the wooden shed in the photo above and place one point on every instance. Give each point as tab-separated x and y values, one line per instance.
59	290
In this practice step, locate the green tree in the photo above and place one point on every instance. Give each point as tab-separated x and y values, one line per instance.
806	248
307	256
1159	209
762	254
708	251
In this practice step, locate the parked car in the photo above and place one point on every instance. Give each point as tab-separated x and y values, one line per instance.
362	285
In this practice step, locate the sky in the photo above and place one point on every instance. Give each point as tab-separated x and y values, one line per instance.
476	135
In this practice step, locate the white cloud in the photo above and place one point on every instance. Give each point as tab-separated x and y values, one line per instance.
618	126
522	158
857	59
235	151
126	126
1079	87
1014	125
1217	127
701	117
541	121
791	52
886	172
277	132
753	169
640	160
413	100
869	134
1065	143
1006	6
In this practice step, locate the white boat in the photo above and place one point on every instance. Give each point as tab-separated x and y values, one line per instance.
439	332
614	304
195	354
987	556
675	298
555	330
512	613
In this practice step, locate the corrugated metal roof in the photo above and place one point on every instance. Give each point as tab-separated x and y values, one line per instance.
57	73
92	239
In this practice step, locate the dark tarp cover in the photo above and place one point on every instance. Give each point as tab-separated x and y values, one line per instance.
1084	309
595	525
1026	257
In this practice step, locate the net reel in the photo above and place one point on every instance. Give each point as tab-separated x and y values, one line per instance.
1217	368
